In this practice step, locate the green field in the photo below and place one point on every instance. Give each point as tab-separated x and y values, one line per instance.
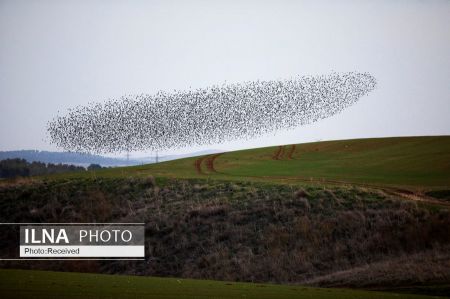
407	162
43	284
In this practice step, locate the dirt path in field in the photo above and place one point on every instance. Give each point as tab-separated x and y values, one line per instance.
291	152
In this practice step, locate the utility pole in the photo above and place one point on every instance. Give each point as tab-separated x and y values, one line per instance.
156	157
128	151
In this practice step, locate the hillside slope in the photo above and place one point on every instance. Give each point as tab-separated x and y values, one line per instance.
408	162
412	161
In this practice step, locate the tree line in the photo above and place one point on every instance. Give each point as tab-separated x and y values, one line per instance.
10	168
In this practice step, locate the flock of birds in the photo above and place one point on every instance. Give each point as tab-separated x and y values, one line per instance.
206	116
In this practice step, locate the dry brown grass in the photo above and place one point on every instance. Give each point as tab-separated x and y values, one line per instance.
250	232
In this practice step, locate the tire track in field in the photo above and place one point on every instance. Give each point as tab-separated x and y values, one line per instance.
210	162
278	153
198	165
291	152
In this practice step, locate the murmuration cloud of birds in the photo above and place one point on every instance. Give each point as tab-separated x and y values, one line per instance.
203	116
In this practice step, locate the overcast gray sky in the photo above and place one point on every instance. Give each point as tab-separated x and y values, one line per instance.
59	54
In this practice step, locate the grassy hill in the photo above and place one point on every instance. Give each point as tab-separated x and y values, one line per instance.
408	162
36	284
415	161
